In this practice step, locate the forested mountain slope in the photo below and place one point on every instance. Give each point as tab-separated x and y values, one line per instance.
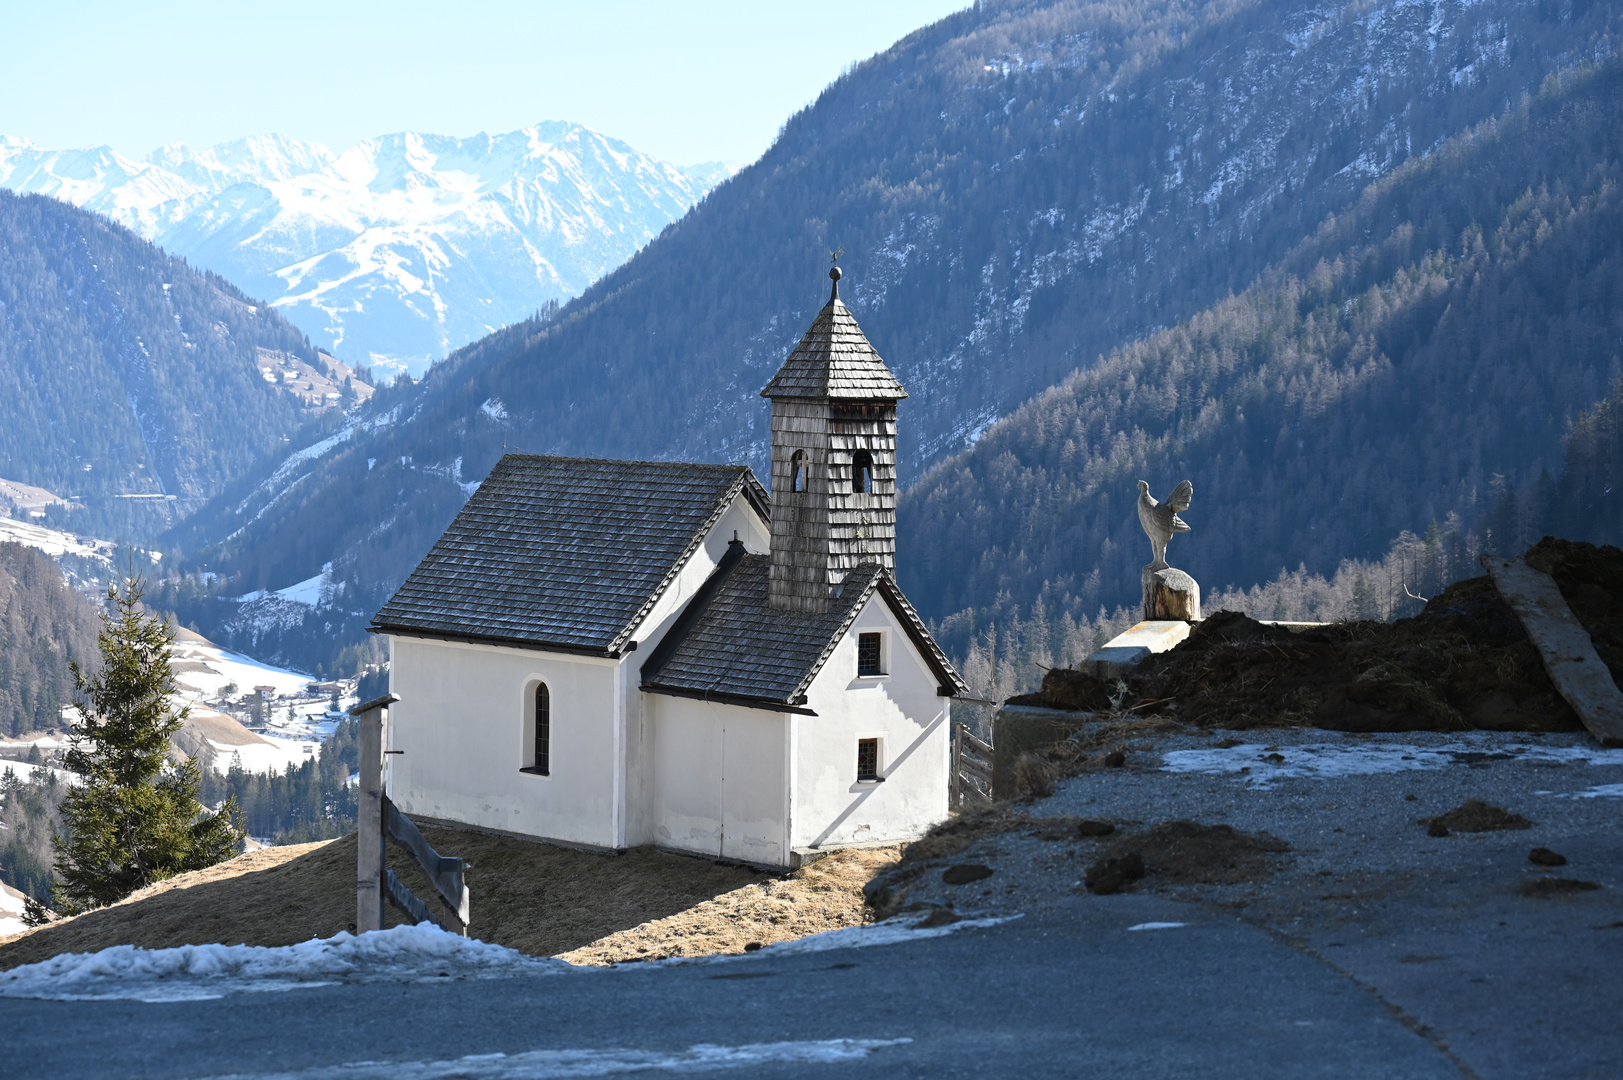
1422	354
43	625
1020	188
125	372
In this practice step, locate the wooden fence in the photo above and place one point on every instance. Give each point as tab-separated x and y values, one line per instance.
971	769
378	820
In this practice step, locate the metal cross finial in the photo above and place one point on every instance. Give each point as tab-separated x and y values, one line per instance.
834	273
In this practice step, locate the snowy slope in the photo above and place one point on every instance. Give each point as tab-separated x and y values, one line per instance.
398	249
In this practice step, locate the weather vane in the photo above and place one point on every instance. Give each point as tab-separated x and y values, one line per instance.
835	253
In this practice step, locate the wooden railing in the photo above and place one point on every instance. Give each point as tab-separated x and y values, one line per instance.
377	819
971	769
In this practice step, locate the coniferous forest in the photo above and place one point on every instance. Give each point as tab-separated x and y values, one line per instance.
1419	360
44	624
124	372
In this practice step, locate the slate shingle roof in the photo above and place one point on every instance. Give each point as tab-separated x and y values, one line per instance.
834	360
564	553
733	645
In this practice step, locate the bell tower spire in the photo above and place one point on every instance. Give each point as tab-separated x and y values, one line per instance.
833	459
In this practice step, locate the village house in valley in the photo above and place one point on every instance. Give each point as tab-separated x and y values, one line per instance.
620	653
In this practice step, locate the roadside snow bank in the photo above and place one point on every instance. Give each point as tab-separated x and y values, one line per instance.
200	972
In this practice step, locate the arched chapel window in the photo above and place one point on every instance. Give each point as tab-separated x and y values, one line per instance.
861	471
798	465
543	731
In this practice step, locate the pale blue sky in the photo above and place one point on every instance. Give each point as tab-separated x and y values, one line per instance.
686	82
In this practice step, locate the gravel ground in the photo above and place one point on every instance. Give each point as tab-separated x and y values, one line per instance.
1438	927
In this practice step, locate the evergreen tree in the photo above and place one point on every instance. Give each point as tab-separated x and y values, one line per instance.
135	819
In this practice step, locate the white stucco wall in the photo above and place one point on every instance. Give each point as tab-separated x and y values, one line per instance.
901	709
739	518
460	723
721	777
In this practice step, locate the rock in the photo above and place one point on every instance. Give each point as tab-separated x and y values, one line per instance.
1474	815
1089	828
753	946
1116	759
964	873
1543	856
1110	875
938	917
1169	593
1435	828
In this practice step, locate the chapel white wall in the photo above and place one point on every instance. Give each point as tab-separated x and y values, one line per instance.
721	779
741	519
900	709
460	722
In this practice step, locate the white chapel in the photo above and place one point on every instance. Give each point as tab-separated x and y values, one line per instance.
612	654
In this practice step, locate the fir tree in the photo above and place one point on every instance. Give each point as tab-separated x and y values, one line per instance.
135	818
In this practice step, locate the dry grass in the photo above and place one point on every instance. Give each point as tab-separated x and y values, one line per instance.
537	898
823	896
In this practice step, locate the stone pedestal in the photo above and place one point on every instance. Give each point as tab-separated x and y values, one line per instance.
1169	593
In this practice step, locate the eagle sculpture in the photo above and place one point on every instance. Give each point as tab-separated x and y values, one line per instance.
1161	520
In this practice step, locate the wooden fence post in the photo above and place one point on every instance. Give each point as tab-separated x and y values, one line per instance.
369	895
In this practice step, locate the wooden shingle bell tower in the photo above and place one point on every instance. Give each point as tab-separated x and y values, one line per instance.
833	460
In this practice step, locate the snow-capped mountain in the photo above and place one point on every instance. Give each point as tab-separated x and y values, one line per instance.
398	249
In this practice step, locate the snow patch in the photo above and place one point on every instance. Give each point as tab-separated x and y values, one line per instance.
551	1064
1598	791
1264	766
422	953
890	932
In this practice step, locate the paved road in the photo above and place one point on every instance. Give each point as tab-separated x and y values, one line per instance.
1068	993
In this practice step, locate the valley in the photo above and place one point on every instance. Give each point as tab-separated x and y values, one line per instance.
1351	270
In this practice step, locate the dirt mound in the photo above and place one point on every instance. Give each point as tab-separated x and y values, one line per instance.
1064	688
1188	853
1477	816
1464	662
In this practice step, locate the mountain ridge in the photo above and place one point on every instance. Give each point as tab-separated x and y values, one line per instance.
401	247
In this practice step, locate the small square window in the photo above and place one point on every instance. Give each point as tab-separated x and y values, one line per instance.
868	655
867	759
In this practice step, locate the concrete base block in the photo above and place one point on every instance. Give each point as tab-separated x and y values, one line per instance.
1126	649
1112	661
1026	729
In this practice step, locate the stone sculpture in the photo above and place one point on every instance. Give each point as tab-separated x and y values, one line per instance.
1161	520
1169	593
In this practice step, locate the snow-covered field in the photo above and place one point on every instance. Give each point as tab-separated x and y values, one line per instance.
203	669
11	911
52	542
